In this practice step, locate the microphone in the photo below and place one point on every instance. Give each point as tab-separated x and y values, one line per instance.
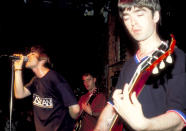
25	58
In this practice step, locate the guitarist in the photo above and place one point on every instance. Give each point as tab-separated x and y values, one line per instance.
91	103
162	103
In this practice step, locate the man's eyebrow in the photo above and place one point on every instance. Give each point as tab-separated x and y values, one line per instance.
124	13
139	9
87	79
135	10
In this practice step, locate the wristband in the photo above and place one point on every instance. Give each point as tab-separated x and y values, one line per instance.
18	69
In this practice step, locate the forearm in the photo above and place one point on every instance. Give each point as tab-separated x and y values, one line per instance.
74	111
19	90
89	111
167	122
105	119
18	85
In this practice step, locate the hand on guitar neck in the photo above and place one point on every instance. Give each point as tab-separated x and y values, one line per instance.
131	108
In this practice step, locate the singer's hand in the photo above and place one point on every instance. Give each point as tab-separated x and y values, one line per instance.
18	63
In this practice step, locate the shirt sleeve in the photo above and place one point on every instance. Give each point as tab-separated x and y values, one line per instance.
67	94
180	114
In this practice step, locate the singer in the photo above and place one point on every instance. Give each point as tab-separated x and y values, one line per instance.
54	104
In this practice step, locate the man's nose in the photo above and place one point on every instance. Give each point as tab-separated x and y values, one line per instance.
132	21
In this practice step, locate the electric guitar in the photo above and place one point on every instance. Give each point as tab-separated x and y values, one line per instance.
147	67
78	124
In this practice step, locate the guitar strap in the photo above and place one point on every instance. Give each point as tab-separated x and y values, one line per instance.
92	97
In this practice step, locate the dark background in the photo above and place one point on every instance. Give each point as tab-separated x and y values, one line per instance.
75	42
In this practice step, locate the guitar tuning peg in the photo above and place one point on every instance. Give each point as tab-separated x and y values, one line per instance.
155	70
162	65
169	59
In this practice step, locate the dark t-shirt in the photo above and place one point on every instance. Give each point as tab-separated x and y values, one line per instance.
52	96
162	92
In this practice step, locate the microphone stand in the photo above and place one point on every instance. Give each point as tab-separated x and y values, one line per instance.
12	88
11	94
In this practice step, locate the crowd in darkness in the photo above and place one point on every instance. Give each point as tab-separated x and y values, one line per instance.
21	120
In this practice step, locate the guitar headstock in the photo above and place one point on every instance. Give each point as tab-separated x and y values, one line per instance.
161	56
151	65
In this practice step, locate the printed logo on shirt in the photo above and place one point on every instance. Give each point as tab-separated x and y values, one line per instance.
42	102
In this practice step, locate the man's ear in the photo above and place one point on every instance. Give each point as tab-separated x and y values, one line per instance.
156	17
43	61
95	80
